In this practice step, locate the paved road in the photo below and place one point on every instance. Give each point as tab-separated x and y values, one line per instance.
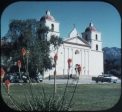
71	81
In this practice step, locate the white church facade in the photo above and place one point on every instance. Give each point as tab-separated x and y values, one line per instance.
84	49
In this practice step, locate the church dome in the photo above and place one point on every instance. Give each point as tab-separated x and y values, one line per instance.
48	16
90	28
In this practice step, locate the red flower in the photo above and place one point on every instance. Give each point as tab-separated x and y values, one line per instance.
55	57
2	73
19	63
69	62
7	84
79	69
23	51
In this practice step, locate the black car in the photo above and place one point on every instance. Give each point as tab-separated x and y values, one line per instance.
16	77
13	77
101	78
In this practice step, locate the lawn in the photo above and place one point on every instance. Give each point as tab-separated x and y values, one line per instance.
87	96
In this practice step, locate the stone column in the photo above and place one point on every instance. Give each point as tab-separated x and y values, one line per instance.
84	62
64	62
72	61
88	62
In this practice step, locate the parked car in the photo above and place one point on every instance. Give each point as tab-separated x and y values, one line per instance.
16	77
113	78
24	77
13	77
101	78
105	78
39	77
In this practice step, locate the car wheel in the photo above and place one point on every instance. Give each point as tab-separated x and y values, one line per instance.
114	81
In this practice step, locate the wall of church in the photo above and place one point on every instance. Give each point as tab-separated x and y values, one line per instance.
89	58
96	43
68	51
96	63
52	33
91	61
56	25
54	28
96	34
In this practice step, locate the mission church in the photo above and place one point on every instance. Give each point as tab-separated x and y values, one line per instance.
84	50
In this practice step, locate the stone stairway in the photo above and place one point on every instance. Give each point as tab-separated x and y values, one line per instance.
85	79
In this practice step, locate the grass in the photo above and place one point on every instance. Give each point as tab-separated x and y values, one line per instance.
87	96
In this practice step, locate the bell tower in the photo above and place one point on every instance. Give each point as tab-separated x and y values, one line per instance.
93	37
49	21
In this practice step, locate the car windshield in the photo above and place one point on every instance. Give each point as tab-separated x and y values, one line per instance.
107	75
100	76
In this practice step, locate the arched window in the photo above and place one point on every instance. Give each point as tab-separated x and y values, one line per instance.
96	37
52	27
76	52
96	47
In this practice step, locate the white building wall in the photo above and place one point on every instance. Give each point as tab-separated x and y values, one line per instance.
95	63
56	25
94	43
68	51
60	64
90	61
93	35
85	62
56	32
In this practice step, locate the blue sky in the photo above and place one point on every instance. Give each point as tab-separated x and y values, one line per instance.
105	17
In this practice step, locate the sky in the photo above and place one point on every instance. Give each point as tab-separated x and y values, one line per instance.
104	16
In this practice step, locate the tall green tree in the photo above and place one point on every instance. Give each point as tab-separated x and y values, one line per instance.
39	55
32	35
56	41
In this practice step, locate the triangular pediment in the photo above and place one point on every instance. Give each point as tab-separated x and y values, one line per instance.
76	40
